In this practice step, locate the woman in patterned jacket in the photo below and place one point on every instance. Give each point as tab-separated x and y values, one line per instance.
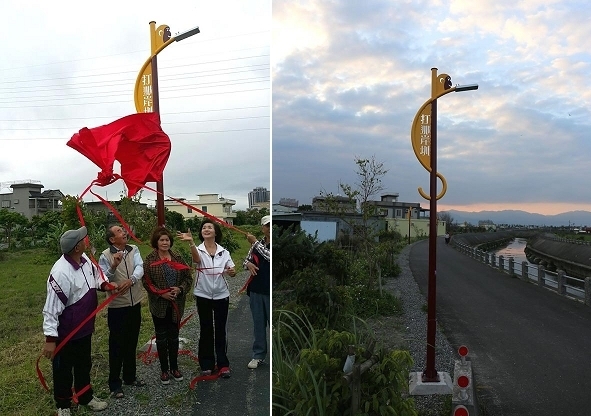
167	279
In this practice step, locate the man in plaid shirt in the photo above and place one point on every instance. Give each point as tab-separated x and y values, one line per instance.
258	263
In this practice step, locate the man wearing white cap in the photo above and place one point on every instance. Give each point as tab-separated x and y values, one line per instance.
258	263
71	298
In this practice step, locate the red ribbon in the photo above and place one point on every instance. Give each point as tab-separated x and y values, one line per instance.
148	356
105	178
174	264
213	376
68	338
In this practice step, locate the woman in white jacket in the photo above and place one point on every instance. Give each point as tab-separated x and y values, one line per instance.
212	296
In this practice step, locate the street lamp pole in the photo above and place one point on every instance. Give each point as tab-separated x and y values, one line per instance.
146	93
430	373
424	140
409	217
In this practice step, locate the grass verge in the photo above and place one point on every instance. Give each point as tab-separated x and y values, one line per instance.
23	277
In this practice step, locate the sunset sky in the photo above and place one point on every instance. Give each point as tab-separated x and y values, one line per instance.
349	77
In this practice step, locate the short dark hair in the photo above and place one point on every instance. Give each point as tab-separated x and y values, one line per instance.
216	227
157	233
110	233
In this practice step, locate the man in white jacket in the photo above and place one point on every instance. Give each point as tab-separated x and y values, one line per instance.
72	297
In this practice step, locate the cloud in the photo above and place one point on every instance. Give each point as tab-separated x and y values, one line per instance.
354	87
78	69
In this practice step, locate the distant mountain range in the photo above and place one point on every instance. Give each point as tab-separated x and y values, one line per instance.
512	217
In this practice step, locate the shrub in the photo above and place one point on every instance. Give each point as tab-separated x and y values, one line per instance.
293	250
334	260
368	302
229	241
308	370
321	300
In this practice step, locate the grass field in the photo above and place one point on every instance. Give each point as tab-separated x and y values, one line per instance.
23	277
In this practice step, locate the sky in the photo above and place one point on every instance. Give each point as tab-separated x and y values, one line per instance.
348	78
67	64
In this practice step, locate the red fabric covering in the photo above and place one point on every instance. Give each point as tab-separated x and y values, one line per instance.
136	141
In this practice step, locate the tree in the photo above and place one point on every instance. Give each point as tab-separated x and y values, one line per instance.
368	184
305	207
174	220
142	221
251	216
193	224
95	223
41	224
446	216
70	213
9	221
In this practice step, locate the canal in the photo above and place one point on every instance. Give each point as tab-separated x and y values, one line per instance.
515	249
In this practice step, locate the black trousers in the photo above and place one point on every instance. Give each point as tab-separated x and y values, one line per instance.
213	343
167	341
124	330
74	356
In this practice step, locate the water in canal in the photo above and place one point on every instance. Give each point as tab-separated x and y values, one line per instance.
515	249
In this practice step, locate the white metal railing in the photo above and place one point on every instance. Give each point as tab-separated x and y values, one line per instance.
561	283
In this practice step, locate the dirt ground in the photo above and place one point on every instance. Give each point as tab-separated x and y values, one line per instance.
389	331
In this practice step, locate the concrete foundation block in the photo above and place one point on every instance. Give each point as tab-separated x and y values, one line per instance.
416	386
465	396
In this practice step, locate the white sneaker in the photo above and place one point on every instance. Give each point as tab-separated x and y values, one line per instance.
255	363
96	404
63	412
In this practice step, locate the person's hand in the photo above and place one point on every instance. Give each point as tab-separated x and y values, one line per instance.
252	268
124	286
117	257
48	350
110	287
185	236
231	271
172	294
251	238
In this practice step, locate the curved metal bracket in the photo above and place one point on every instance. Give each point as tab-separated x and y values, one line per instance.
443	189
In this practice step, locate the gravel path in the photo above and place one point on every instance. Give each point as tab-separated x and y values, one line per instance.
176	398
410	331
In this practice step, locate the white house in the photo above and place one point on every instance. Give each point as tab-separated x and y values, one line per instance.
213	204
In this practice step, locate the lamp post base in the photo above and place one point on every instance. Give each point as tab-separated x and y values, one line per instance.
417	387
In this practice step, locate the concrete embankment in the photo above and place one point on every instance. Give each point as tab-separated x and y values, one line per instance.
572	256
559	254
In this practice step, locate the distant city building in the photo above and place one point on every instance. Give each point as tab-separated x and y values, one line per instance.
257	196
289	202
212	204
26	197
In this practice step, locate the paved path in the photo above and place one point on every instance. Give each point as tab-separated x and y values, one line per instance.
530	348
247	392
